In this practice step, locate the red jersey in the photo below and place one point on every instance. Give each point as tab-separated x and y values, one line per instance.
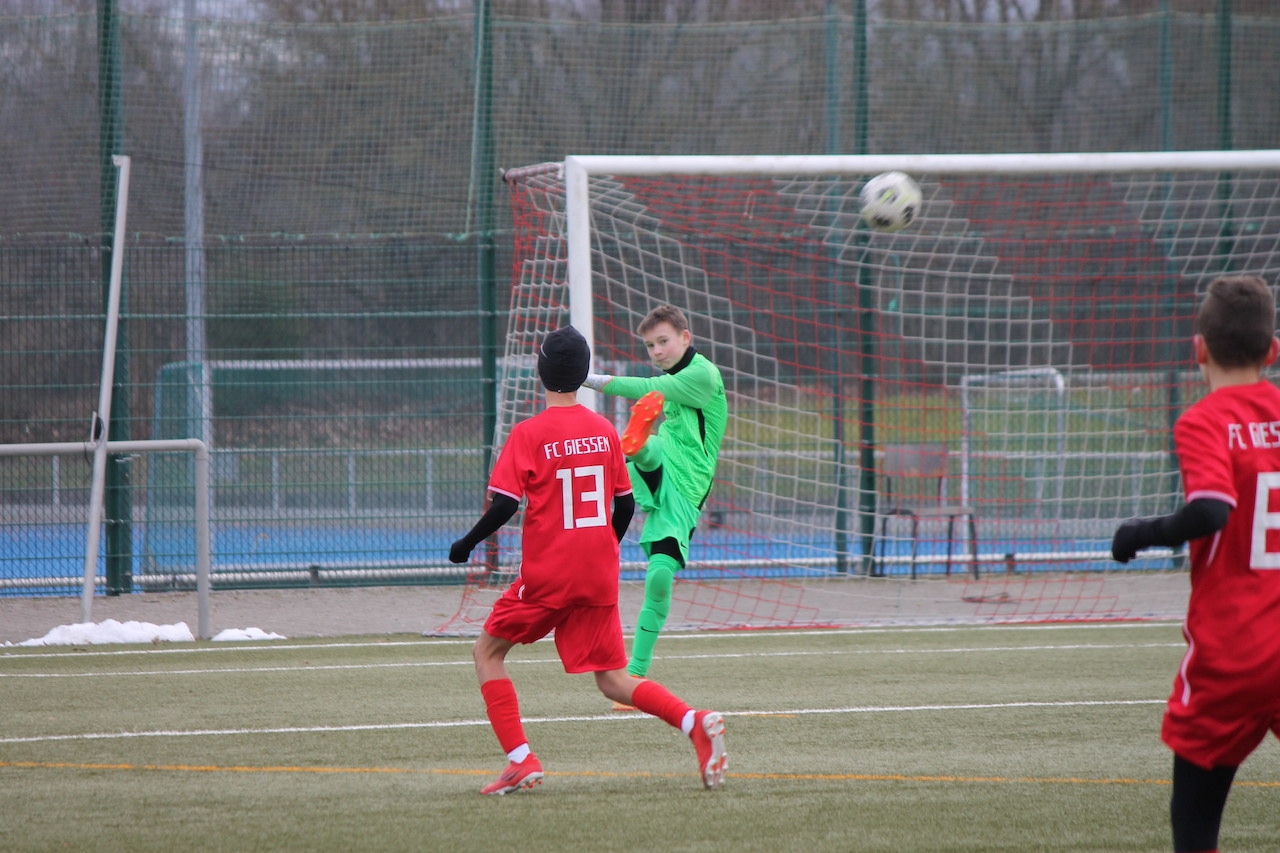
568	462
1228	446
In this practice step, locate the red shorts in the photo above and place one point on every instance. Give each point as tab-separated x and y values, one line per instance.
588	638
1217	728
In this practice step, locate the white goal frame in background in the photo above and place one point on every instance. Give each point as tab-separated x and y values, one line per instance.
99	447
204	542
579	169
602	238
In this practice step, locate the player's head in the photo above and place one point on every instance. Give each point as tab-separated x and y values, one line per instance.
666	335
1237	322
664	314
563	360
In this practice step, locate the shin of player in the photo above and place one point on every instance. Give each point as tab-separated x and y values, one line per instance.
1226	694
567	464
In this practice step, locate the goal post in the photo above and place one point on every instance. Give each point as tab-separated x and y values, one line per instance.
100	427
1031	328
203	529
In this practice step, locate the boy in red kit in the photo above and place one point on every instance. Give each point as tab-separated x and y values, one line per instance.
1226	695
567	462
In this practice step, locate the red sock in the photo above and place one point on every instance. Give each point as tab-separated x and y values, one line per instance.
503	708
656	700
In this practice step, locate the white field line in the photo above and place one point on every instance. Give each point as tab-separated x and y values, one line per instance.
589	718
446	724
302	668
79	651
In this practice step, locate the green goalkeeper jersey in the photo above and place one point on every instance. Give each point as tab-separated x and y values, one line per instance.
695	412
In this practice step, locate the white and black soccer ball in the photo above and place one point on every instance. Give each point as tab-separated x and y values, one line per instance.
890	201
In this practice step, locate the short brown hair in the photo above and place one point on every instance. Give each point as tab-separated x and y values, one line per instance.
664	314
1237	320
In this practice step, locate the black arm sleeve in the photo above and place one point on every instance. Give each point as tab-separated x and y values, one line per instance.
1200	517
624	507
501	508
1197	518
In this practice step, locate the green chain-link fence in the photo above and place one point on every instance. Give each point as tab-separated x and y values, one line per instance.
317	236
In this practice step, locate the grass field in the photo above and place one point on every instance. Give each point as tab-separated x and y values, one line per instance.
1041	738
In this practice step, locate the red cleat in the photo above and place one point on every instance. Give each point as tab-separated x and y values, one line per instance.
708	740
643	414
526	774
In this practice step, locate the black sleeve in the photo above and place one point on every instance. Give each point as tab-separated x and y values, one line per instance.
1200	517
624	507
501	508
1197	518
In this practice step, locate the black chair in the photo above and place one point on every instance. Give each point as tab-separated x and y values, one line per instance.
913	485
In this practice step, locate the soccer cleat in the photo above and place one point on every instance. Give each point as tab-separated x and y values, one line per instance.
526	774
708	740
622	706
645	411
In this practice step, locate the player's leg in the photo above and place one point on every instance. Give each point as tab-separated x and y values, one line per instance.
646	479
704	728
665	539
652	616
1196	806
665	559
669	522
1210	738
501	703
589	639
490	656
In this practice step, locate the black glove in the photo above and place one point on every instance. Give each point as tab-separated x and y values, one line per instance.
460	551
1131	537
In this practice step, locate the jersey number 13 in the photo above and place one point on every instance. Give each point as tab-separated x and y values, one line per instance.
582	492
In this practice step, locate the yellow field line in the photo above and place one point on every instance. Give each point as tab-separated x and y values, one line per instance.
773	777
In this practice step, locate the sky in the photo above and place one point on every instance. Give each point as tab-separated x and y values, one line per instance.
111	631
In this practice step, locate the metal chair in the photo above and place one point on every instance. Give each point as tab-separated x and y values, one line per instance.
913	485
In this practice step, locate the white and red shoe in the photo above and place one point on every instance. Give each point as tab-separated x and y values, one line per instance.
526	774
708	740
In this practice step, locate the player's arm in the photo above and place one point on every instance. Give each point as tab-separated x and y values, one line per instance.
690	387
500	511
624	507
1197	518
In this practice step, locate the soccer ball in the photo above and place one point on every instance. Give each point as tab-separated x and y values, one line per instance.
890	201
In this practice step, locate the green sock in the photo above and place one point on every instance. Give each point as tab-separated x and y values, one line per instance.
653	613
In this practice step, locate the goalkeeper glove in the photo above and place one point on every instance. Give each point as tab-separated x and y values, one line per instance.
597	381
1132	536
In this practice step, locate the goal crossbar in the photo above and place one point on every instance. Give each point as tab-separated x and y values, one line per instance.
951	164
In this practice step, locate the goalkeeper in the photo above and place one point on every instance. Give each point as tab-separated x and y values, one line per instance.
671	470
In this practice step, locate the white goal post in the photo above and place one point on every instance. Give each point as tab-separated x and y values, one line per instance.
204	545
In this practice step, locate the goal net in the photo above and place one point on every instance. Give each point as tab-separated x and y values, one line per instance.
1029	333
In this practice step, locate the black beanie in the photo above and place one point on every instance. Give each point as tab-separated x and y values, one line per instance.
564	359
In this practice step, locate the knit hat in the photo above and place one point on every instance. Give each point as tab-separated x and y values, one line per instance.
563	360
